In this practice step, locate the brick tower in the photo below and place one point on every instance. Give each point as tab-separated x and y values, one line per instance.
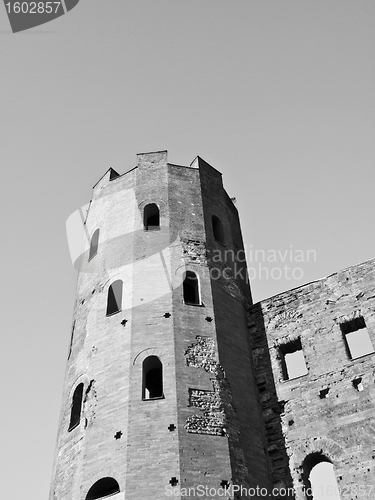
159	393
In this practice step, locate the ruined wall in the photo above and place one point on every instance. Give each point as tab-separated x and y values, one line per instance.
328	413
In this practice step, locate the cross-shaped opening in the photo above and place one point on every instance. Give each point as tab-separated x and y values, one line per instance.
171	427
118	435
173	481
224	484
167	315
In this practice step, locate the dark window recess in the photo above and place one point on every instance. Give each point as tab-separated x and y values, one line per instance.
225	484
167	315
94	244
71	339
75	412
292	360
123	322
171	427
357	338
118	435
114	299
353	325
217	228
103	488
357	384
209	319
151	217
173	481
323	394
261	386
152	387
191	288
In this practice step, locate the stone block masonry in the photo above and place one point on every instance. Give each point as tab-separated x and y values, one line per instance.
159	382
327	413
175	380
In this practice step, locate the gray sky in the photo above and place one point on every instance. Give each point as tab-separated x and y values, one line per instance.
277	95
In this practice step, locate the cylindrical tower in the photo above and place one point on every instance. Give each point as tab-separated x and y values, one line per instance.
159	396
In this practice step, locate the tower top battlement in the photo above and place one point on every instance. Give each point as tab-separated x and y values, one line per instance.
155	159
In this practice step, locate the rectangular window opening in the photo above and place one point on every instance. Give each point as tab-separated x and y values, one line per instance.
293	360
357	338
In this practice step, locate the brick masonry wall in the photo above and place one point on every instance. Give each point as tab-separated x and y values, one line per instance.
204	455
231	296
199	433
302	426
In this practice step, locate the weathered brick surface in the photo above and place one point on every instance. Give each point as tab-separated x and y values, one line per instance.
106	353
299	423
230	296
228	414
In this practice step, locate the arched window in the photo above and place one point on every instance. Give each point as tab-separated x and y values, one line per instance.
152	384
319	476
151	217
94	244
191	288
75	412
217	228
105	487
114	299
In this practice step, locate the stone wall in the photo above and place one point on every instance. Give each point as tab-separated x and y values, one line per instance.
327	414
205	429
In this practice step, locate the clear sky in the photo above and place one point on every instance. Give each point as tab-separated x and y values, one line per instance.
279	95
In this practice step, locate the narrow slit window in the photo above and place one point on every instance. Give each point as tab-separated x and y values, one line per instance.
191	288
75	412
217	228
292	360
105	487
151	217
114	299
94	244
152	384
357	338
